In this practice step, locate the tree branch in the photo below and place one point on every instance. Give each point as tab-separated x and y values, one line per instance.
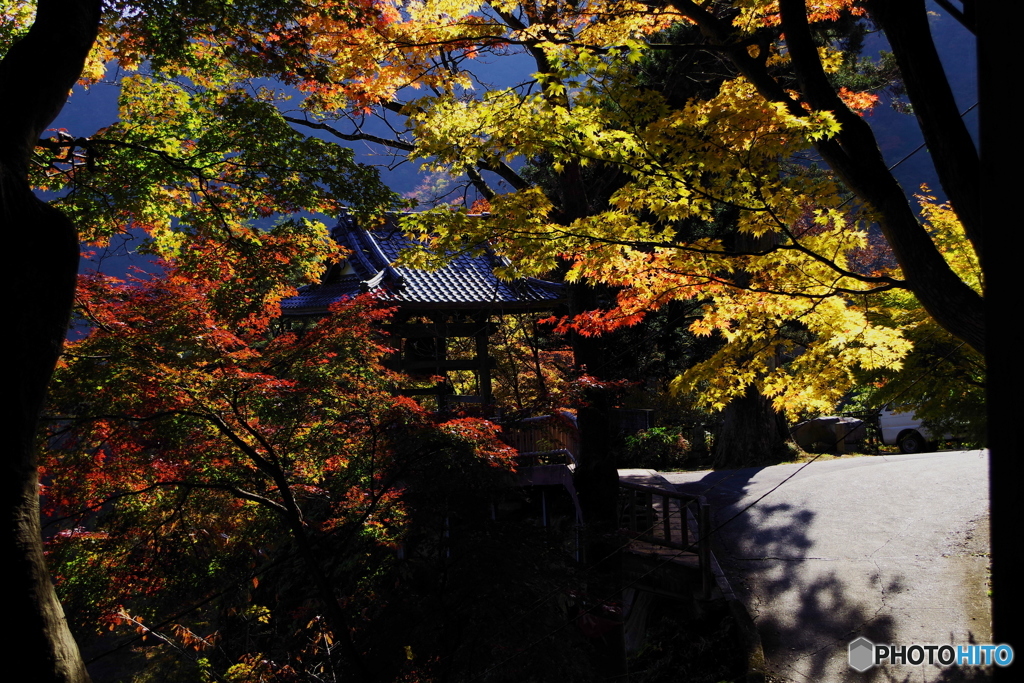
503	171
479	183
854	155
966	18
949	142
39	70
353	137
230	488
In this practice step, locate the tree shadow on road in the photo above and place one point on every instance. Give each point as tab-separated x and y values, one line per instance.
804	610
805	616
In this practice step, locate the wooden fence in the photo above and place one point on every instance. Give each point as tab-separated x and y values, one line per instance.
668	519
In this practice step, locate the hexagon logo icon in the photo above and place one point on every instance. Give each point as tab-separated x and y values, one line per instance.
862	654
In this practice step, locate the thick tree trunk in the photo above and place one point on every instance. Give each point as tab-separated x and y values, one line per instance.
35	77
597	478
997	42
750	432
43	279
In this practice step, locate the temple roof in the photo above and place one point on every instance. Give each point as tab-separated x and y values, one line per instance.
467	281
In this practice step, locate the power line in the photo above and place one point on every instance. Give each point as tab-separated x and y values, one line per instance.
911	153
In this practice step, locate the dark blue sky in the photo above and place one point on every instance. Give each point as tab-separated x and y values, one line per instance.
91	109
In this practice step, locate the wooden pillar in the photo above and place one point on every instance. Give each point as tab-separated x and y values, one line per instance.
441	355
484	360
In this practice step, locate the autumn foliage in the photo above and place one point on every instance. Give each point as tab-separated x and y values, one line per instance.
193	445
195	451
209	146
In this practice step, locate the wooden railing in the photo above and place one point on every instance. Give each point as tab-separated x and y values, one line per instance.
544	440
669	519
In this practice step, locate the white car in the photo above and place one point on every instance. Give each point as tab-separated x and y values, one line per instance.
902	428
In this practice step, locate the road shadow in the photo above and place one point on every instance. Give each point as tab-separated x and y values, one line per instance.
806	610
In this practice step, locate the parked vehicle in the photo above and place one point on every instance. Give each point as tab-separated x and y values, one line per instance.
900	427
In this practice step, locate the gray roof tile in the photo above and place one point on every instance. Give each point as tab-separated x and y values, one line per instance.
466	281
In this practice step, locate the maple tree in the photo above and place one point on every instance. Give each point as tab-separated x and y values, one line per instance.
942	378
585	107
587	111
192	452
681	163
787	300
198	152
784	295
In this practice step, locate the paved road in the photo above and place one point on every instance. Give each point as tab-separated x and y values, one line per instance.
894	548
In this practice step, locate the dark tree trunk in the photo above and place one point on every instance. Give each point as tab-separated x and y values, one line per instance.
750	432
597	481
597	478
1000	151
43	280
597	475
35	77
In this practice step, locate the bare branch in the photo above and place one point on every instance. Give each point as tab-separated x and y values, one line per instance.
353	137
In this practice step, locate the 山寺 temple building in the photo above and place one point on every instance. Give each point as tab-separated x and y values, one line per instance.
435	308
440	315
